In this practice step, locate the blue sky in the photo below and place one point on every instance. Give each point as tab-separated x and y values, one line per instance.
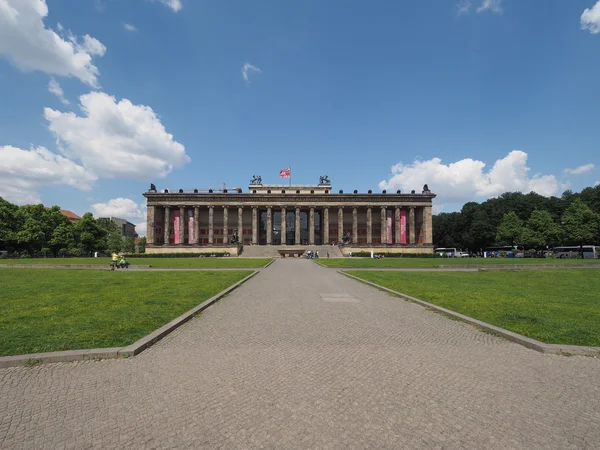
474	98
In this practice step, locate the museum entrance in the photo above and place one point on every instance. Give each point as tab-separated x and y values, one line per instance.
288	236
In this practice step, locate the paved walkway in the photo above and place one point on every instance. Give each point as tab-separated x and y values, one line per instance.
302	357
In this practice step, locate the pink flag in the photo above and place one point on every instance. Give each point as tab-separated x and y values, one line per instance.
285	173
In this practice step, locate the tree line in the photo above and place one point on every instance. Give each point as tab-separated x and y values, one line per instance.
531	221
36	230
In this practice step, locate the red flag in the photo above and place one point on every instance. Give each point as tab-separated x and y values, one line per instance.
285	173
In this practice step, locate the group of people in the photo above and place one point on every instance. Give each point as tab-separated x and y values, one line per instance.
119	262
312	255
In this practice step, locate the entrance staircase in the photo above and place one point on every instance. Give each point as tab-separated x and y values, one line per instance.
270	251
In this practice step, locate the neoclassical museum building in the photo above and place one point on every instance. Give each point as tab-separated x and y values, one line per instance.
281	216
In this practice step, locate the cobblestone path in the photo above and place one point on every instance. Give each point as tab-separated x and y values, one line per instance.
302	357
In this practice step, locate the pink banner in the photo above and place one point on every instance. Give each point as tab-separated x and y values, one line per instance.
403	226
176	220
191	236
388	234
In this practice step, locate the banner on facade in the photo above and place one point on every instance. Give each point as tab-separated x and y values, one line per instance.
388	234
176	221
403	226
191	223
285	173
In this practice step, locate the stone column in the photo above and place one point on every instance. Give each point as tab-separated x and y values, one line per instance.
283	226
411	225
355	225
311	226
340	224
369	226
427	223
240	225
297	236
196	225
181	225
225	225
254	226
326	226
269	226
150	225
383	225
167	223
397	225
211	221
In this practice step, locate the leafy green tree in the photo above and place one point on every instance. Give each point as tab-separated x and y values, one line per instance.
90	235
8	225
142	245
108	225
510	230
31	236
63	236
129	245
114	242
541	230
580	223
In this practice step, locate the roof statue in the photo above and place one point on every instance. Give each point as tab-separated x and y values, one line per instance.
152	187
324	179
426	190
256	179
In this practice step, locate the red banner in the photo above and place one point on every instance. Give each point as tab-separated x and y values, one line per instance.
176	230
285	173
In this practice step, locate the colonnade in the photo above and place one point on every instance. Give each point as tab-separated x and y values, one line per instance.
404	219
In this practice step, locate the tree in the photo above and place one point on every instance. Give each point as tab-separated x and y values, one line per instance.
90	236
541	230
580	223
510	230
8	224
62	237
142	245
129	245
30	236
114	242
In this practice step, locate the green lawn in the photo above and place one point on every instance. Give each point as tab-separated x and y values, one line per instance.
436	262
154	262
43	310
556	306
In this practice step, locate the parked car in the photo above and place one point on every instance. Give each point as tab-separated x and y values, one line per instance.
462	255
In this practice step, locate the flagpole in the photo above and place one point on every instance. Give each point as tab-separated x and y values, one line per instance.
290	176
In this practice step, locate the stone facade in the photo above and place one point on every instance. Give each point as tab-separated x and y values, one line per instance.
283	215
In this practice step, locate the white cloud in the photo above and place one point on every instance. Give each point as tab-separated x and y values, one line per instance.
116	139
464	6
247	68
22	171
118	207
494	6
466	180
585	168
590	19
54	88
30	46
175	5
129	27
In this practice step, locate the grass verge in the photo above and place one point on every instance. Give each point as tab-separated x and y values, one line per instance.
436	262
555	306
44	310
174	263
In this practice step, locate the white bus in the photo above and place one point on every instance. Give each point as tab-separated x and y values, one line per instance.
589	251
451	253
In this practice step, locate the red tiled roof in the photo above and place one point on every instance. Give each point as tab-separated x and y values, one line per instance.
69	214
